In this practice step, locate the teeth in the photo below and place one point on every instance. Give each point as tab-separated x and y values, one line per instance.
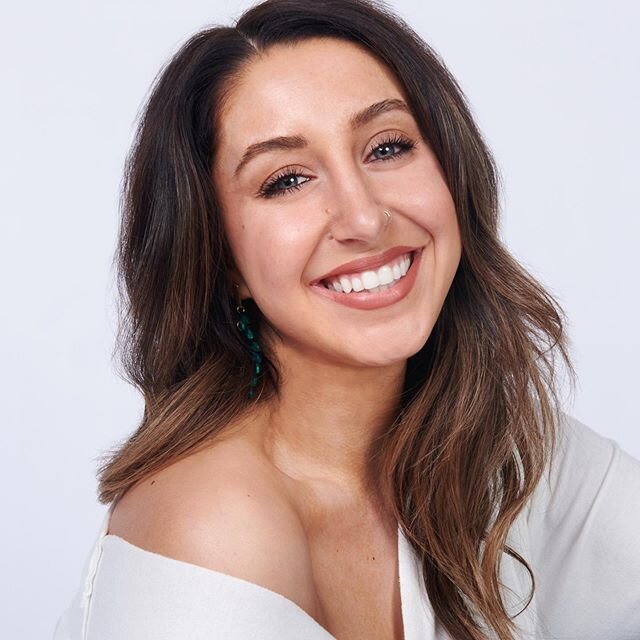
344	285
377	280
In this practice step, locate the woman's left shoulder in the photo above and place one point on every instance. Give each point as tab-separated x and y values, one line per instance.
582	526
577	439
586	466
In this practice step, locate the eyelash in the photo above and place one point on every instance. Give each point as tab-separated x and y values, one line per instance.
268	190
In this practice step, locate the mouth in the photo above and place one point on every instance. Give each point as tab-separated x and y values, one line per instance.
353	292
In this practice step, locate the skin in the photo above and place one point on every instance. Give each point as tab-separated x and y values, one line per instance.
342	368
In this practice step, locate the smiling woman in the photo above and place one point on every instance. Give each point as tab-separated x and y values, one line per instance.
351	427
349	144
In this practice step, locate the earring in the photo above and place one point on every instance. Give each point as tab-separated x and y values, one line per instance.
244	325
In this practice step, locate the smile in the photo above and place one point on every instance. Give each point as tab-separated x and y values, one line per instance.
374	289
371	280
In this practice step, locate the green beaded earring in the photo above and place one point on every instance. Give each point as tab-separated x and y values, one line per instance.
244	324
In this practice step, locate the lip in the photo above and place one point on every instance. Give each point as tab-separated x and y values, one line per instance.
366	300
365	264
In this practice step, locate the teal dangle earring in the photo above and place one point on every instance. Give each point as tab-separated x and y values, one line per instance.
255	352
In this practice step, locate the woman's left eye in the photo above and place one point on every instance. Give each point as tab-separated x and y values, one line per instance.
270	189
404	144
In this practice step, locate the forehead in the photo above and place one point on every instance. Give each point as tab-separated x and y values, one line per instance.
314	84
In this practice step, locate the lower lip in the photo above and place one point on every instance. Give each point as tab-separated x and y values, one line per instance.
366	300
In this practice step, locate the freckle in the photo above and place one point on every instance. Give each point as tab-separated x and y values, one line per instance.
374	557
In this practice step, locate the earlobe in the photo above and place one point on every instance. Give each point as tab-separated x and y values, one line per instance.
241	292
240	289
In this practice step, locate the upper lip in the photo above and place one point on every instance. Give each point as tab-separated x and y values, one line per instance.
365	264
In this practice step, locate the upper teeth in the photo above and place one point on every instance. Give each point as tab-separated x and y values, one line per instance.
385	275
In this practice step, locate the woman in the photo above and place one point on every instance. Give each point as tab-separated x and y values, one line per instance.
351	424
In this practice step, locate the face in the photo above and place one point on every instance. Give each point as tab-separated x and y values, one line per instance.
294	214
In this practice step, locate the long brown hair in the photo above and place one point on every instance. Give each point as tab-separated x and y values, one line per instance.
479	407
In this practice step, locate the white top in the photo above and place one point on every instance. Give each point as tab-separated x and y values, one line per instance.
580	533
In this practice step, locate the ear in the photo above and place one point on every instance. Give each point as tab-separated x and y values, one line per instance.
241	291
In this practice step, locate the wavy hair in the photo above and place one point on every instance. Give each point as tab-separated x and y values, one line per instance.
476	424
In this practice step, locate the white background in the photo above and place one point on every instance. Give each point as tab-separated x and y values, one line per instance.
554	87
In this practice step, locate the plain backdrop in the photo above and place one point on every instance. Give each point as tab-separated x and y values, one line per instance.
554	88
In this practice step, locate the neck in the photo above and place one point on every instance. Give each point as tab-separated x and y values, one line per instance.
323	426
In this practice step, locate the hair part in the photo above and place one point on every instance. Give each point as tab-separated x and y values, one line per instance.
479	407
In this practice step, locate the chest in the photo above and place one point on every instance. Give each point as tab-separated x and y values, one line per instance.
356	580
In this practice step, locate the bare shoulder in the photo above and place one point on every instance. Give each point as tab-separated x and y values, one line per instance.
223	509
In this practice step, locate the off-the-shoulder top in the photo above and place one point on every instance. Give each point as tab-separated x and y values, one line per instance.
580	534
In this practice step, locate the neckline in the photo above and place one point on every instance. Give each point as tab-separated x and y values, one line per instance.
402	547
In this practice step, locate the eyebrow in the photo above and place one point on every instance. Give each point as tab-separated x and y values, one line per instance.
357	120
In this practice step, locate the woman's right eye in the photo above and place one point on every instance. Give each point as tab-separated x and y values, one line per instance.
280	184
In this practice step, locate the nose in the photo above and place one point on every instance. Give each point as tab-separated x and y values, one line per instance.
354	213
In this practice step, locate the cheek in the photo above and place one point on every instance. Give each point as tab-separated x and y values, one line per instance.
429	202
272	249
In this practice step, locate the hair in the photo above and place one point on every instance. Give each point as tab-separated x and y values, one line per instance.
476	424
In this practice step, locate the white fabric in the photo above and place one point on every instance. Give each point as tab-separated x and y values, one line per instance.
580	533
